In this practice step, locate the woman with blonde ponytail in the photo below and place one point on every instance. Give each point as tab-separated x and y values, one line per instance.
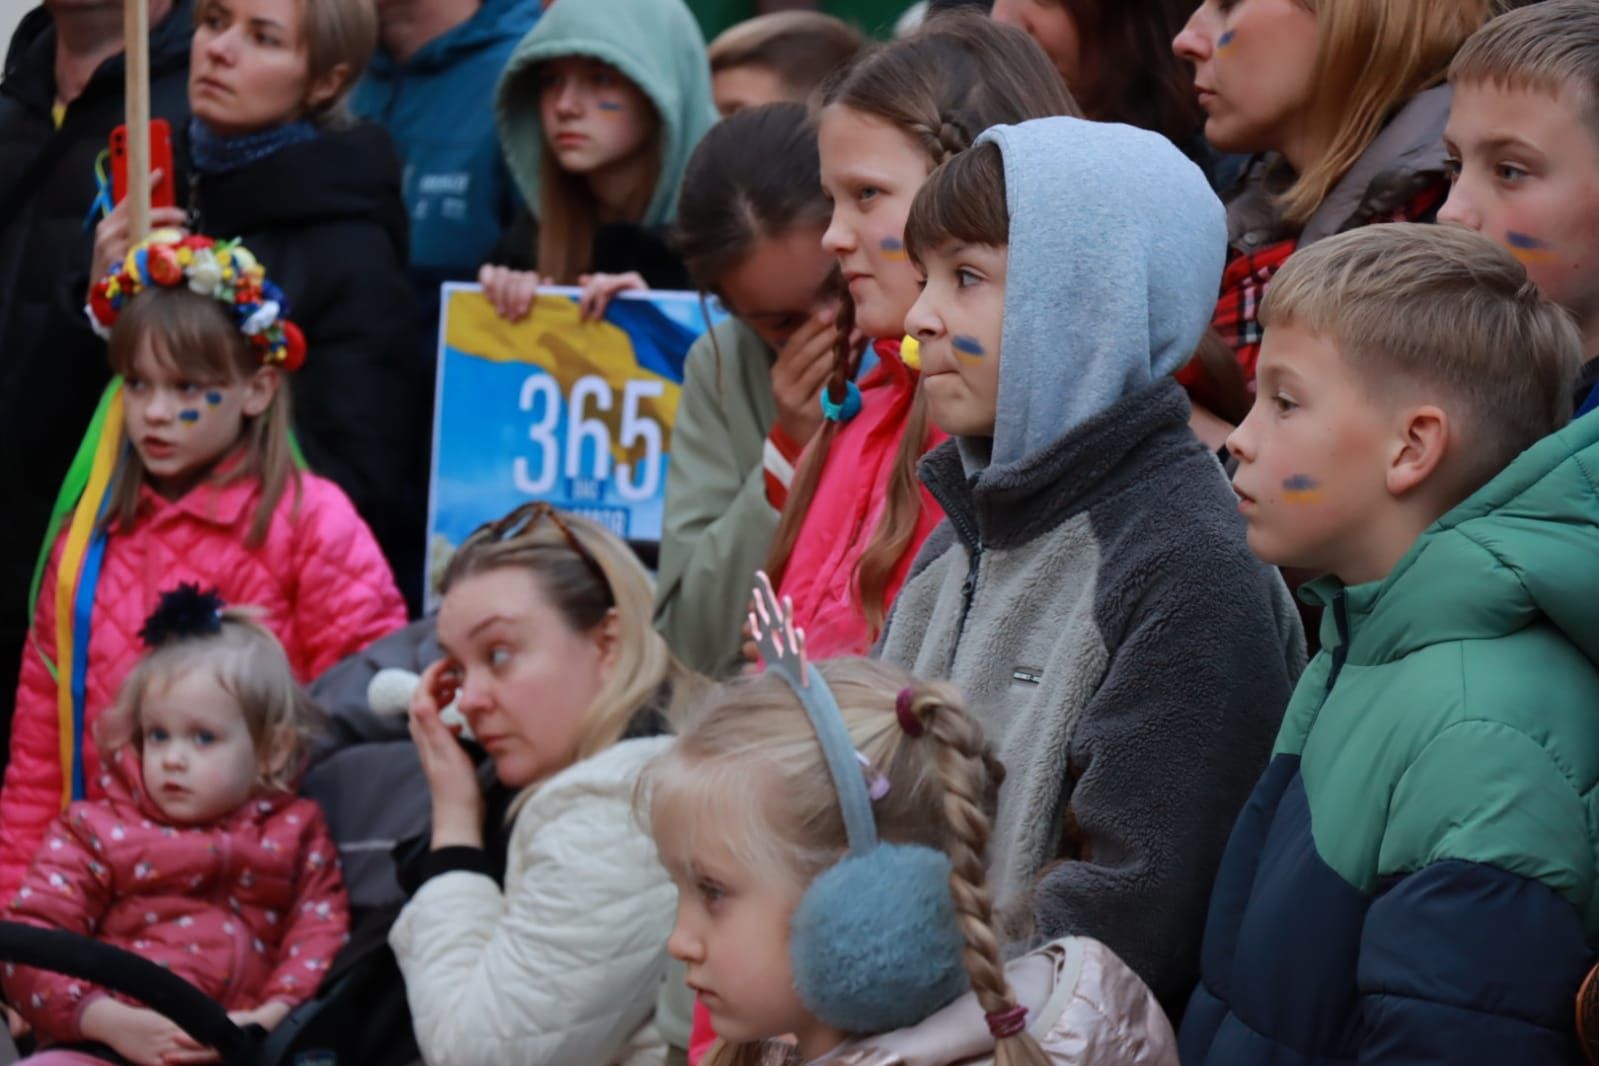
752	829
537	937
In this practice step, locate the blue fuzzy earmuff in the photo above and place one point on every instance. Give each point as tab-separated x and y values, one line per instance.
875	943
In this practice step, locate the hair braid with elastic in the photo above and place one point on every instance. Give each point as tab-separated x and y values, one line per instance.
969	772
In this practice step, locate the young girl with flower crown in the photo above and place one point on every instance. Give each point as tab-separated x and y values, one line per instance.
855	514
198	855
192	478
831	888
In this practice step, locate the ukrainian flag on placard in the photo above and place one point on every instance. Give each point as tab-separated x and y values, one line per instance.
551	407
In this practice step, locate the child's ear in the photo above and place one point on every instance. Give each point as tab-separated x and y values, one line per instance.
1423	441
260	390
277	748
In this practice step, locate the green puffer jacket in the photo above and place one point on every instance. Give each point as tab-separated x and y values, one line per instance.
1416	877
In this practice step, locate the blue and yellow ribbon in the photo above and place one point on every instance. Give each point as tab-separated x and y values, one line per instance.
86	494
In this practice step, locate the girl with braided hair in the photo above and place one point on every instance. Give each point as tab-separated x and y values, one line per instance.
749	823
854	515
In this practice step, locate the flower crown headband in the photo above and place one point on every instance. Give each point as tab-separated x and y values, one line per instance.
222	270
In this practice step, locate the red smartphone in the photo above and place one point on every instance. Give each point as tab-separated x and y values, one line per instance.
162	194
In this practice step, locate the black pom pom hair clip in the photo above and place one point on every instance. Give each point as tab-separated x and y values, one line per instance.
183	612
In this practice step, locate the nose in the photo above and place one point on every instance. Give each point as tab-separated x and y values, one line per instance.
173	757
683	945
1458	209
159	407
569	98
220	47
1241	441
838	240
472	698
1192	42
923	321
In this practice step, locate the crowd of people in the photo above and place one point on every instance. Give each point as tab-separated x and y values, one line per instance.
1123	588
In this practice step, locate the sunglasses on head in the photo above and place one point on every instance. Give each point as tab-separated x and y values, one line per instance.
524	519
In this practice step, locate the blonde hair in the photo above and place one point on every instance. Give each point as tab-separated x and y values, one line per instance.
1372	57
1444	310
584	584
251	666
197	337
752	754
1550	47
801	47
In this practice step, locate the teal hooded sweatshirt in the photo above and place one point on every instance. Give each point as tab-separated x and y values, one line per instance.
656	44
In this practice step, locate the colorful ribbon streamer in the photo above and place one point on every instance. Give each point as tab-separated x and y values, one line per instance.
77	576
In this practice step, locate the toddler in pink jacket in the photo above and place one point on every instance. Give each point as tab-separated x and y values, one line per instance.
194	481
199	855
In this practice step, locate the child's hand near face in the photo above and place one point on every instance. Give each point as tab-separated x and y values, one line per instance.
800	372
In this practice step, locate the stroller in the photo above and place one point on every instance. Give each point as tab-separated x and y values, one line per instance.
359	1015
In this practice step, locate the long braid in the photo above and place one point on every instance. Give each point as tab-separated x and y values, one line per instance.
807	478
969	774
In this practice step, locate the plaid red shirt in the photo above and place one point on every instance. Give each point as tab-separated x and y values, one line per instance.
1243	286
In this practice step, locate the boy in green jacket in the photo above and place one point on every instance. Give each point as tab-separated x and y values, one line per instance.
1414	878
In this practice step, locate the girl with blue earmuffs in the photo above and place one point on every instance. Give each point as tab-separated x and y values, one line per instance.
825	826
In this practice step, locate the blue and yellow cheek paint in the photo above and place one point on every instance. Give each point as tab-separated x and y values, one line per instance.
893	249
1225	41
612	108
1301	488
188	418
213	398
1529	250
968	348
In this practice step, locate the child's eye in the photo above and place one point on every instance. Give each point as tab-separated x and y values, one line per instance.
134	384
499	656
966	278
155	736
1283	403
1452	169
1509	173
603	79
711	893
189	388
203	737
867	193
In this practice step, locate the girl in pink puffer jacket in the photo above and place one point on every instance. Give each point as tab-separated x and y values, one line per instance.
199	856
206	491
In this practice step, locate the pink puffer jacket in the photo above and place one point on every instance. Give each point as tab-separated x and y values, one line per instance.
319	575
821	573
249	908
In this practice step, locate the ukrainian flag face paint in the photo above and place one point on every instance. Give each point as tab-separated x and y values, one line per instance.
1526	175
1312	458
958	321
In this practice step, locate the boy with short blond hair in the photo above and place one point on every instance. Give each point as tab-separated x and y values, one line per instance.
1414	878
1523	139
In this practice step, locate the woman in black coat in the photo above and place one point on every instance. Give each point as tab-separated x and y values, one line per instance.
277	164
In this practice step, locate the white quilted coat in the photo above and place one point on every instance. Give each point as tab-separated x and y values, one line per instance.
563	968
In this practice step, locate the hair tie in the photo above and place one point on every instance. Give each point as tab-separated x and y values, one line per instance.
908	720
845	410
1007	1023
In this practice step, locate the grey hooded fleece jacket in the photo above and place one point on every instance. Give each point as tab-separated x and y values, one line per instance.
1091	591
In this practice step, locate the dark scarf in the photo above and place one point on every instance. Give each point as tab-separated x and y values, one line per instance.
214	153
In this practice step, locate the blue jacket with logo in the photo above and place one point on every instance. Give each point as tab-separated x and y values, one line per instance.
439	109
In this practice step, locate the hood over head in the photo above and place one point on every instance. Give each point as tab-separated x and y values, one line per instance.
656	44
1116	251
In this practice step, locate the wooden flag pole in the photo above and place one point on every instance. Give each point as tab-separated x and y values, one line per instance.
136	42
